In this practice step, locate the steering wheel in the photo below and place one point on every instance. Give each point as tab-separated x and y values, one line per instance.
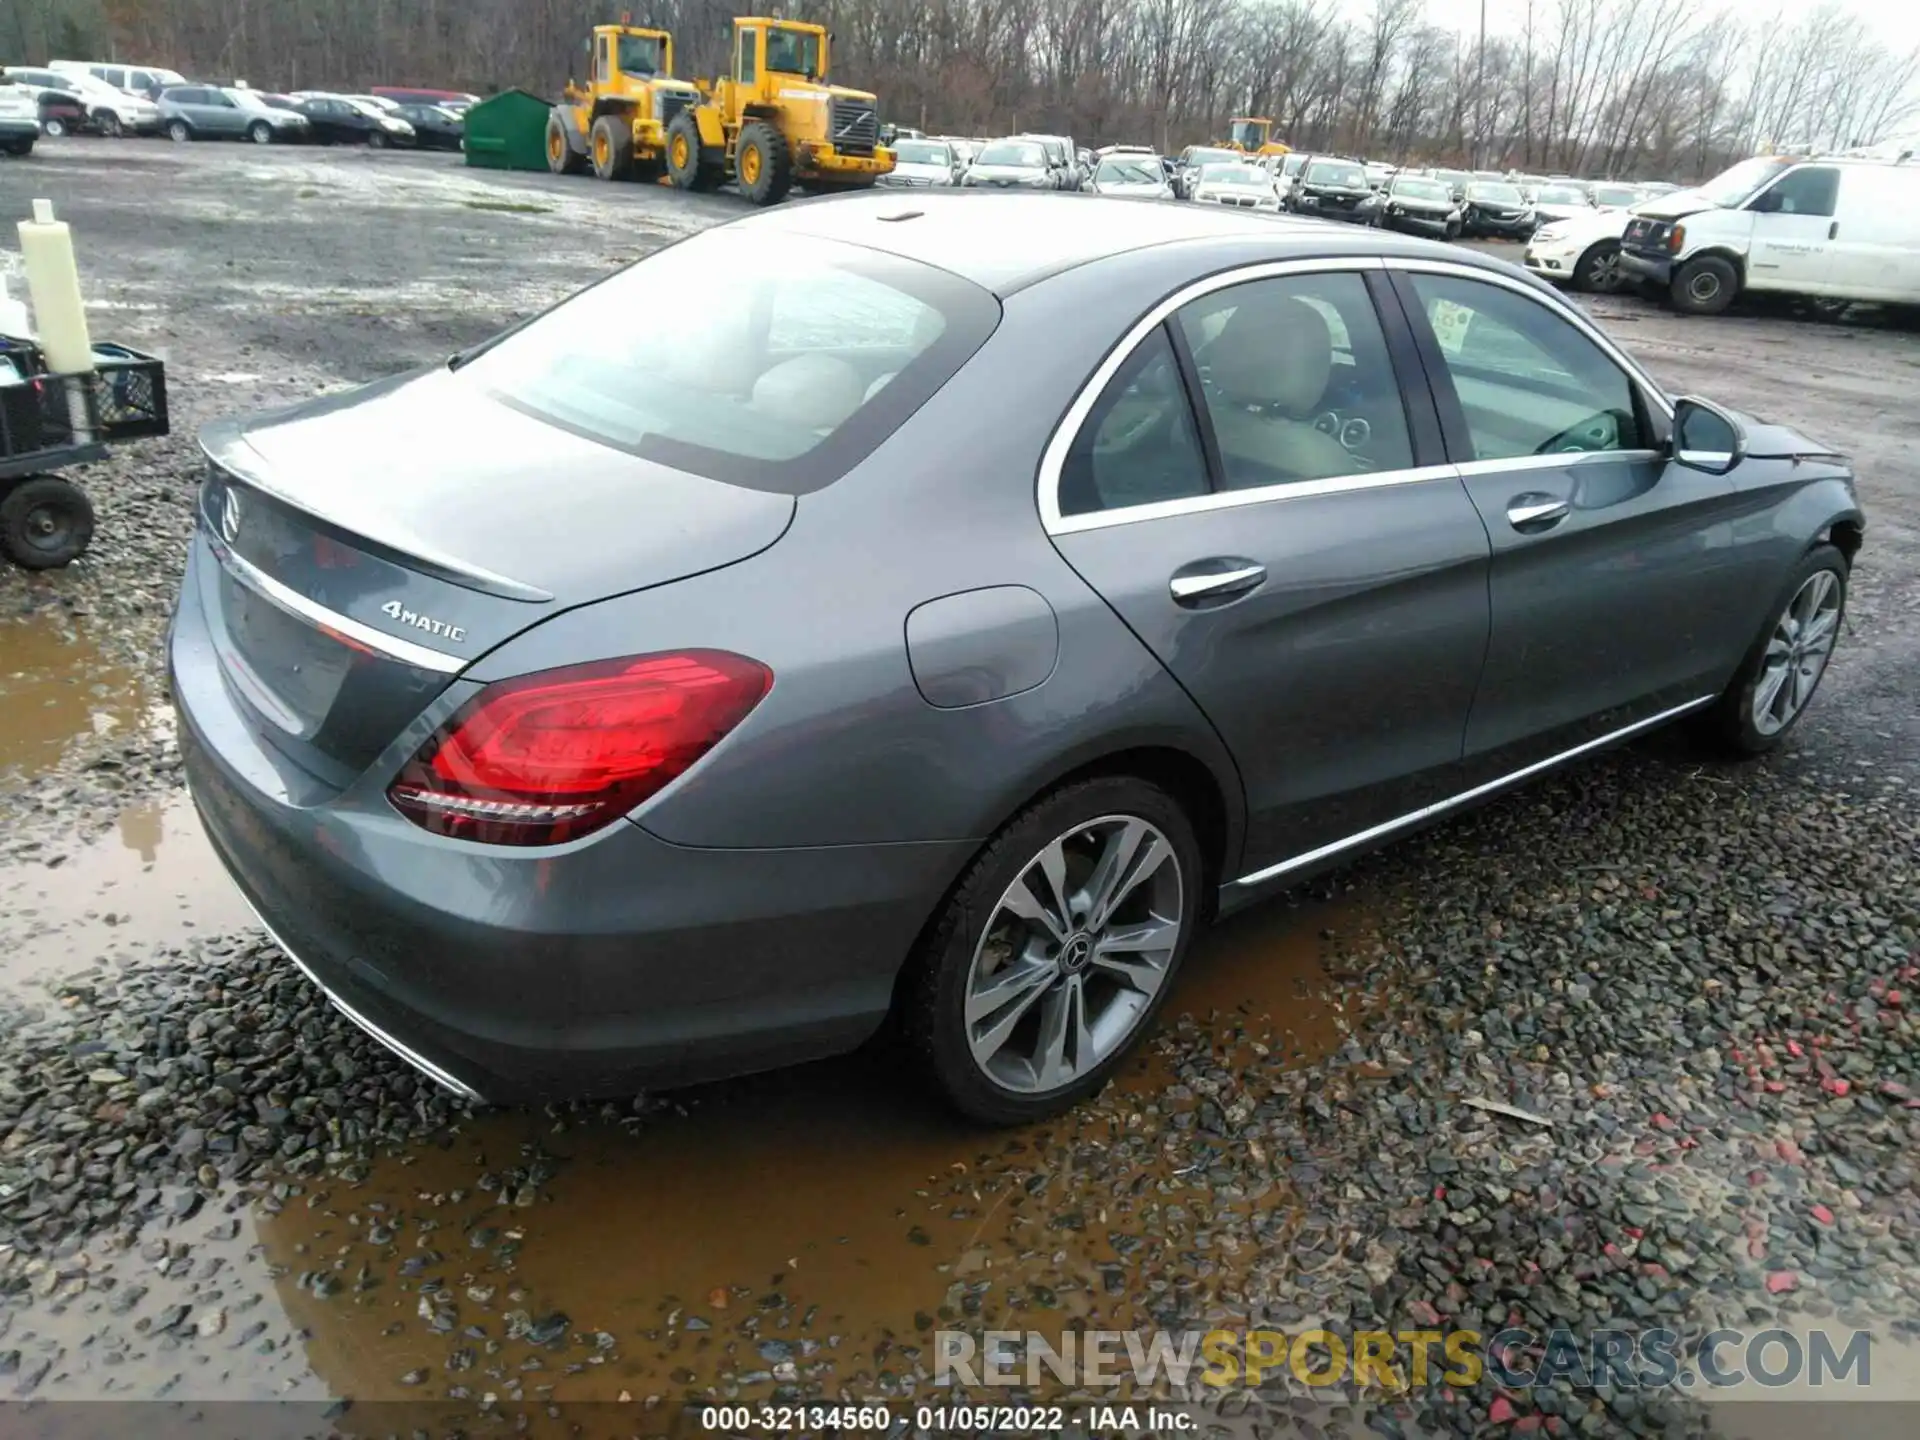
1597	432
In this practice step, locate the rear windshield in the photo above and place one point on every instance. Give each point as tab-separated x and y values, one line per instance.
706	358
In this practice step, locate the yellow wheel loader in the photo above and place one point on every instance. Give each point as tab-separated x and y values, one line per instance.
616	123
775	122
1253	135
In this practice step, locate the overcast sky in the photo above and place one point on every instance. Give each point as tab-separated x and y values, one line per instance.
1897	22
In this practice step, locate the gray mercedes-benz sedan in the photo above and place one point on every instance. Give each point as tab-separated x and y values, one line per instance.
940	607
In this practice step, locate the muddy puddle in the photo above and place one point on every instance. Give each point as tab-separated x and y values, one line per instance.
56	686
809	1229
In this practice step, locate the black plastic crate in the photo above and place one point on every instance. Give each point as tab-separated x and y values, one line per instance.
34	417
130	394
26	356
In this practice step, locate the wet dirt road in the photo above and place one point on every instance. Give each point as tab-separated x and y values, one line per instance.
808	1232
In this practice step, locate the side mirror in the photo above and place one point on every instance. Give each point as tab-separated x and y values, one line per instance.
1706	437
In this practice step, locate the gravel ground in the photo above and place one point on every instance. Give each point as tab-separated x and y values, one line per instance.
210	1186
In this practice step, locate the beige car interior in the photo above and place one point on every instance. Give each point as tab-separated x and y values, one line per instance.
1266	373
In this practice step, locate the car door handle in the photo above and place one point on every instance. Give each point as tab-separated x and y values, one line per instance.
1531	513
1194	583
1833	231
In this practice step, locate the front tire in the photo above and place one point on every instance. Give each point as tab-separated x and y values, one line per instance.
763	163
1704	285
1049	959
1777	679
685	167
611	146
110	125
179	131
376	139
45	522
55	127
1597	271
260	132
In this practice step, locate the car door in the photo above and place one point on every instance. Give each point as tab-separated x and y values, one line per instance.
1876	230
1326	606
1794	230
229	120
1616	594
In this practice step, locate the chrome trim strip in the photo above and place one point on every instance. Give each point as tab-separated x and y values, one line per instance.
1055	457
1550	301
1228	499
315	613
1560	461
1441	807
426	1067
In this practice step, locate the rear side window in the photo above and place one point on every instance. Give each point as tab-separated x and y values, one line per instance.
713	358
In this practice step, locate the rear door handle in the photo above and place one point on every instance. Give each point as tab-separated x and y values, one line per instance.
1833	231
1215	579
1530	514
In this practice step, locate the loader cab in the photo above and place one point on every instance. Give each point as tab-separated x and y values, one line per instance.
623	54
765	49
1248	134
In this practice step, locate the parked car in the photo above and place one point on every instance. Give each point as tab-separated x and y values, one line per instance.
338	120
1003	164
1063	156
146	81
1421	205
204	112
104	109
1495	209
920	163
1128	172
1455	180
1582	252
376	102
1836	229
1335	189
19	119
56	98
1557	200
455	100
1379	173
1192	159
1610	195
1240	183
434	127
563	805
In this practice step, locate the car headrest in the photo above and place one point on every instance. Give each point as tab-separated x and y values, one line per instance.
815	392
1275	351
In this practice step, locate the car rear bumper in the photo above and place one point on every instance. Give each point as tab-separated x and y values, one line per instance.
12	128
1658	268
597	968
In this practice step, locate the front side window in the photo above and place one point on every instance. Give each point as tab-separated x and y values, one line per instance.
1139	445
1810	190
793	52
746	72
705	358
1297	380
1529	382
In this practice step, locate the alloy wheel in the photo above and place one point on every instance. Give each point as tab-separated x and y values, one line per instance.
1074	954
1605	270
1797	653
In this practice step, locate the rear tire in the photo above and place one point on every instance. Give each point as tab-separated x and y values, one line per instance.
949	995
1734	725
611	148
1704	285
685	165
45	522
21	147
763	163
179	131
561	157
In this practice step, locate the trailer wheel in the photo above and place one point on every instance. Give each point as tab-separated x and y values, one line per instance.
611	147
45	522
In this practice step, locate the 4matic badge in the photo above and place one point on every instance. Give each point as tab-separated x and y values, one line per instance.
394	610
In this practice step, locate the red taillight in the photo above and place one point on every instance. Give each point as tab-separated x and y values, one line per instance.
558	754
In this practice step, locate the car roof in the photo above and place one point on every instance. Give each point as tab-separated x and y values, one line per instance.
1006	242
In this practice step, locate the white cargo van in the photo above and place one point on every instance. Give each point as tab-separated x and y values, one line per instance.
147	80
1839	228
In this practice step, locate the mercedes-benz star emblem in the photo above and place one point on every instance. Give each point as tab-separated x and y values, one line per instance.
1077	952
230	517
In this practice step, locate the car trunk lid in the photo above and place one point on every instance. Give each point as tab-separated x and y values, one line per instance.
372	545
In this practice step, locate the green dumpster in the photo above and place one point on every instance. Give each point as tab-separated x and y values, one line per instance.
508	132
